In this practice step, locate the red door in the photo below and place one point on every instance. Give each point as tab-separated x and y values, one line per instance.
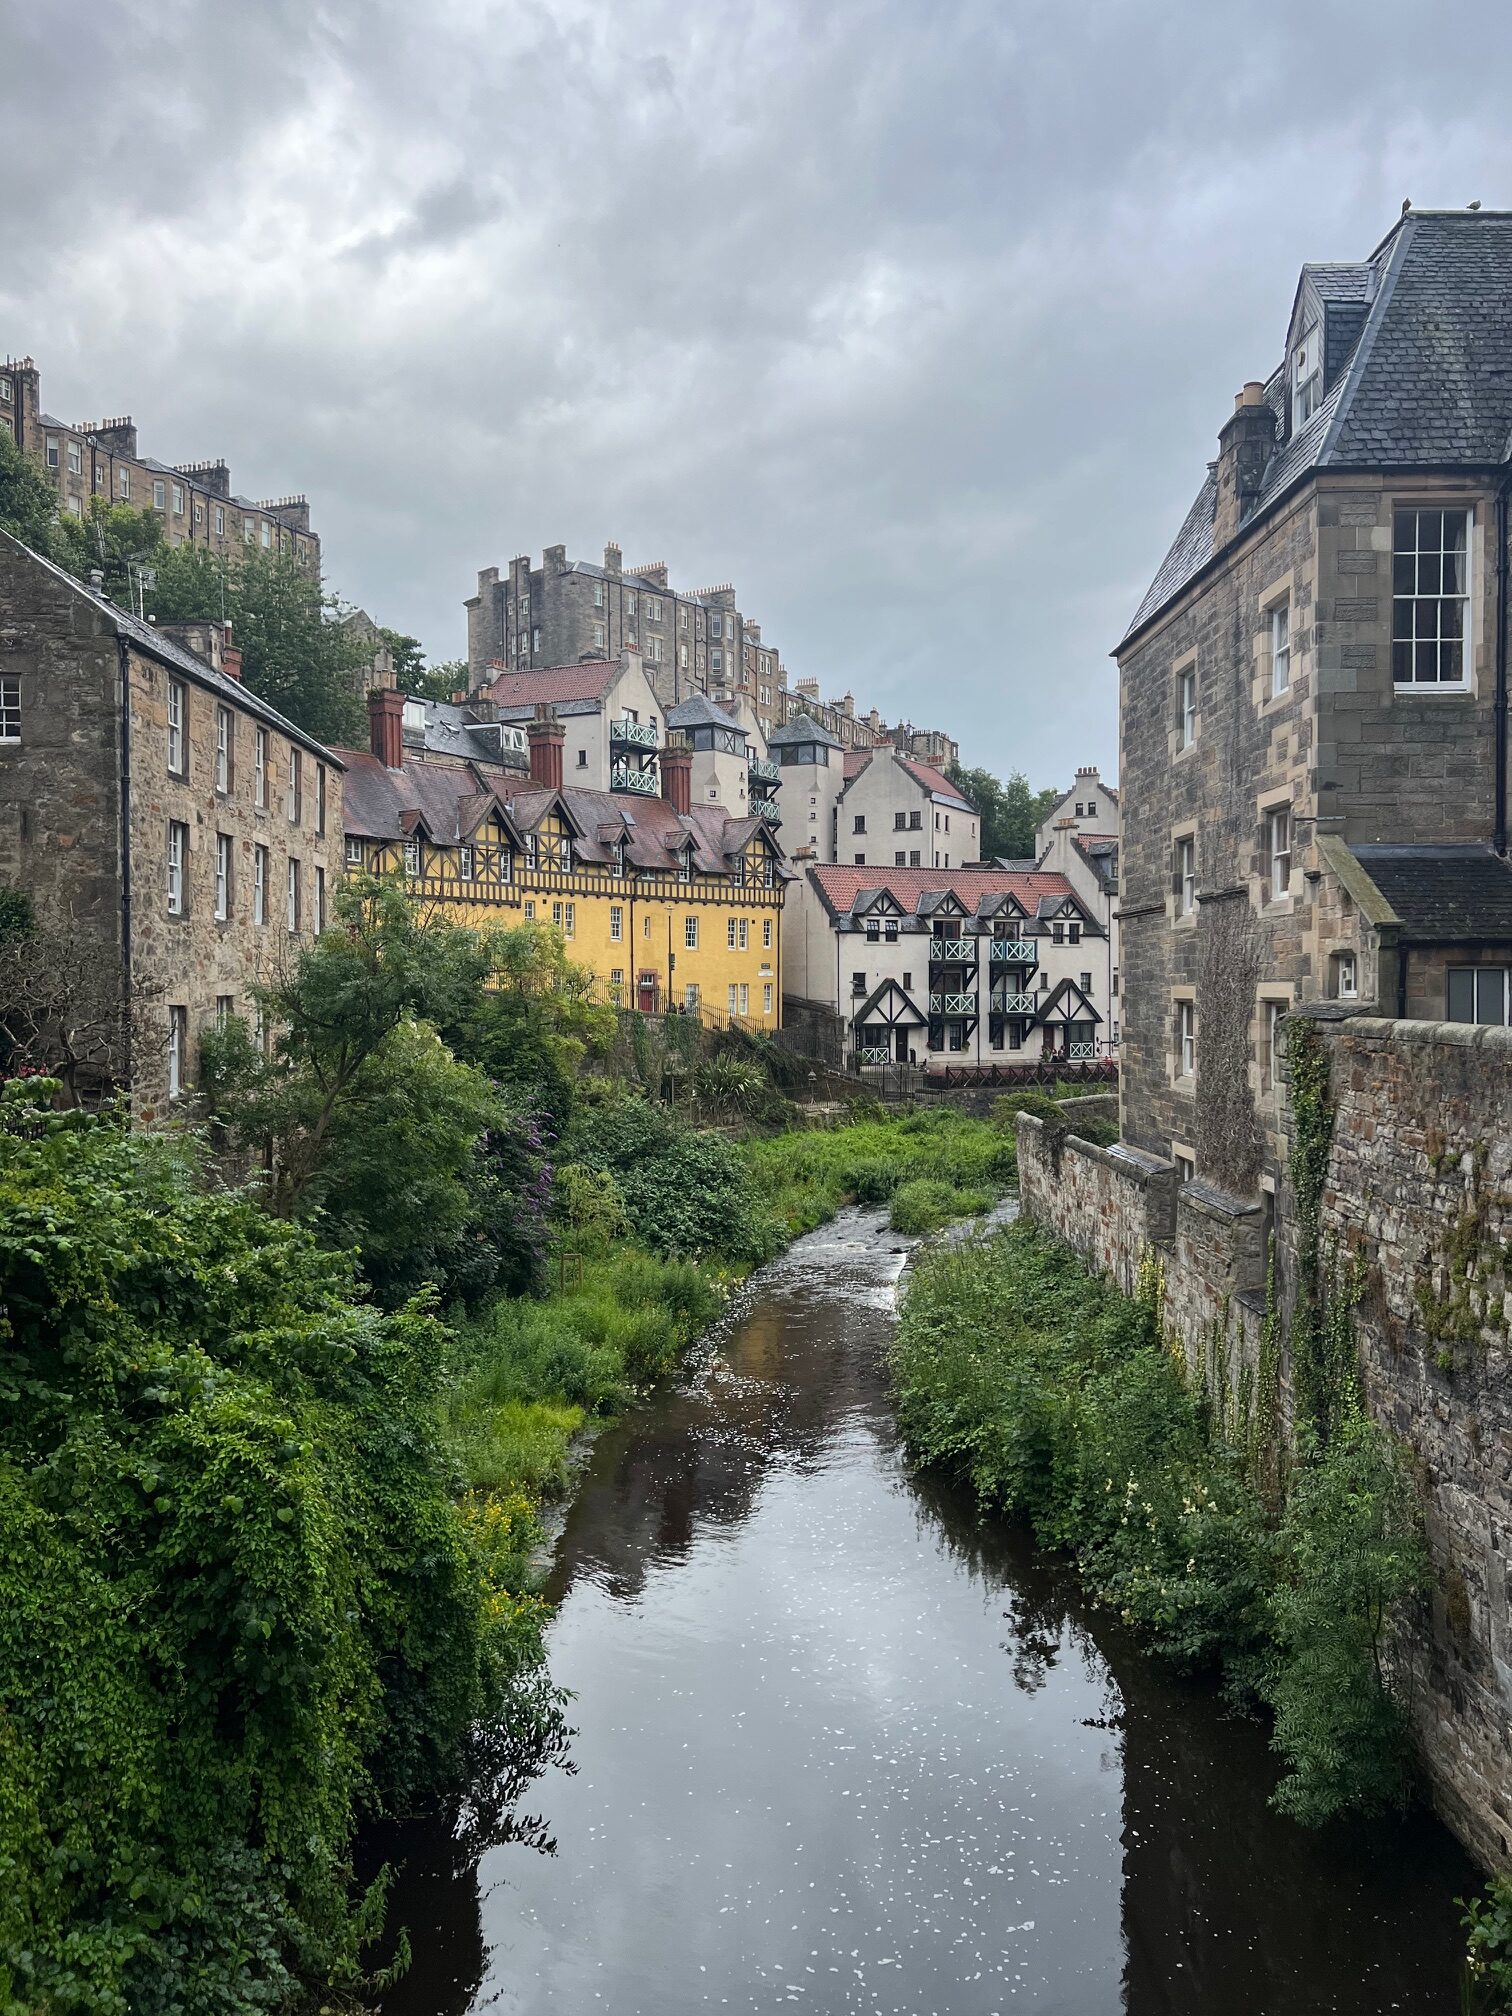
645	993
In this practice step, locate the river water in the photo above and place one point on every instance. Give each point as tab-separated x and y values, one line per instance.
841	1746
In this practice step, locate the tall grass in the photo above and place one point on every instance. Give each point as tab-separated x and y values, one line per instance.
804	1179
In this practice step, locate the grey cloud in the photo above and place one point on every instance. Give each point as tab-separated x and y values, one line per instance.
918	322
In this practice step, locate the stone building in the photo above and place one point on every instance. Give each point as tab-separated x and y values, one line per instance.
690	640
100	458
168	825
669	904
1314	699
971	966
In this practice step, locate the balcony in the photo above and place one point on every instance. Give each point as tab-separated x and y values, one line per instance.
874	1053
763	772
766	808
952	951
1012	1004
1081	1053
1014	952
639	734
623	778
952	1004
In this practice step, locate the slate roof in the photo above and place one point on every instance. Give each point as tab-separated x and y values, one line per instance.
1426	382
451	730
451	798
1446	895
802	728
147	637
701	712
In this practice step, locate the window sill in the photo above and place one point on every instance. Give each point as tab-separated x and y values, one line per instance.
1426	691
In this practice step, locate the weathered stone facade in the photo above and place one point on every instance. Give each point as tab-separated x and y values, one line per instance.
1419	1187
92	808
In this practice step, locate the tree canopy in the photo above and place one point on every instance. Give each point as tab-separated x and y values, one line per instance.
1010	812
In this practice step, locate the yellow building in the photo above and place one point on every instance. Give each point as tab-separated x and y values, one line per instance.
668	904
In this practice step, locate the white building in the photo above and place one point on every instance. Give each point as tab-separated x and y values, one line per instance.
970	966
613	720
869	808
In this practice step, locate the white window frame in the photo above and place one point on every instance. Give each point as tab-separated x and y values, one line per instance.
766	997
178	867
320	899
356	852
159	494
1186	1039
1280	647
178	1043
1487	980
259	885
220	521
260	770
412	858
1419	598
10	706
465	864
1186	869
729	934
616	923
1186	707
1307	376
1346	976
1278	828
178	500
222	877
295	803
178	728
123	485
690	933
75	458
223	733
294	895
766	934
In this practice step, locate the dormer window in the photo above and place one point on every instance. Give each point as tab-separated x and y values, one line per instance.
1307	377
414	717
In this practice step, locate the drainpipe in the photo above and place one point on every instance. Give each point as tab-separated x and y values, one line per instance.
1401	982
1499	705
124	660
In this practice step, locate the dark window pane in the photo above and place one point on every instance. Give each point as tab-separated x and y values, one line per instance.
1403	574
1430	531
1461	994
1404	531
1491	994
1401	663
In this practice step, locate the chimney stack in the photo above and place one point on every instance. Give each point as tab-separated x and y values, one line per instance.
614	559
386	726
1244	449
546	736
231	657
677	776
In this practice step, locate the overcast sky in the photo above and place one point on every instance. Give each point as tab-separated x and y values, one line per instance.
914	318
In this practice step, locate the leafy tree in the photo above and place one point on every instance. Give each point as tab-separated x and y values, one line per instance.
1010	813
114	540
296	652
438	682
1353	1550
237	1604
536	1024
28	501
408	655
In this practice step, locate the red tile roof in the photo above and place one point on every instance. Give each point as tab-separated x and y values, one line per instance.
547	684
854	762
935	782
840	885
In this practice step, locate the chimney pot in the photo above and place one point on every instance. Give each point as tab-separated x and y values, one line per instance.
546	735
386	726
677	776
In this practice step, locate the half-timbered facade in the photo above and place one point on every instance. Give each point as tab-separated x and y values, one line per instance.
982	966
669	905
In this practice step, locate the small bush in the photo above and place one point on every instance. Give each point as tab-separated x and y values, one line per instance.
925	1204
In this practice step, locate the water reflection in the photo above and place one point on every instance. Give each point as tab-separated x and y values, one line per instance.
842	1745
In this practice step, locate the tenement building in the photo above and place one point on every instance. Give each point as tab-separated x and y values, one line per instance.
178	839
669	904
690	640
100	458
1314	699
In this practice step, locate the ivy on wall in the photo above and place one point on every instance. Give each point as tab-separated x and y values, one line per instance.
1325	1379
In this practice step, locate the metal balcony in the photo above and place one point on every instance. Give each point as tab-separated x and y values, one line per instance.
1014	952
766	808
953	951
623	778
1081	1053
762	771
639	733
1012	1004
952	1004
874	1053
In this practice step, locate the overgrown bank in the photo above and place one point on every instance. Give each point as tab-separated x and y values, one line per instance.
1060	1401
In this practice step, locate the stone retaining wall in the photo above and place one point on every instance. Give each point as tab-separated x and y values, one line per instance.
1419	1188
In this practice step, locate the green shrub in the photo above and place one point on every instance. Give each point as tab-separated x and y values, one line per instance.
925	1204
237	1602
1057	1397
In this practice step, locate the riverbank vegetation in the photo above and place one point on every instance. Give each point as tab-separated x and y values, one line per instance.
285	1391
1061	1402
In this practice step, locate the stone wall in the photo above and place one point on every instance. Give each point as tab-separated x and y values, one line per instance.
1419	1187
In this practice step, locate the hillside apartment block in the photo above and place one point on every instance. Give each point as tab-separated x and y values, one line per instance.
100	458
